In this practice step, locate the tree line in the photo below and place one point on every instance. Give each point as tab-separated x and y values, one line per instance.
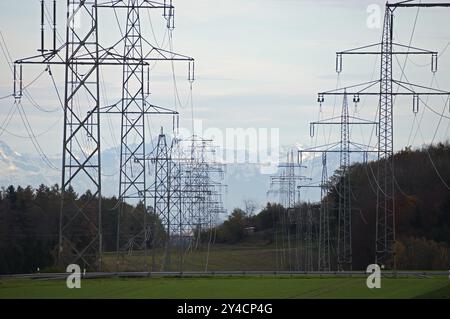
422	209
29	218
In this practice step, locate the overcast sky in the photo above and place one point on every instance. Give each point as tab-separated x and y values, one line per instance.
260	63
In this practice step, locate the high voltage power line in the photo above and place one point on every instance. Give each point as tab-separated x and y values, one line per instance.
82	56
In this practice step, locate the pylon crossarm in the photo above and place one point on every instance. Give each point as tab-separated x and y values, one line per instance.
410	50
356	50
310	186
404	90
334	148
106	58
289	165
278	179
381	50
333	121
363	148
141	4
150	109
318	149
44	58
358	89
408	4
410	91
153	54
165	54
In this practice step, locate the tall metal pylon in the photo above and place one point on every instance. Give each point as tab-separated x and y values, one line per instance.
285	184
134	107
324	260
385	215
344	147
199	187
324	238
80	234
132	178
80	231
310	238
162	196
184	194
344	240
79	123
179	237
385	206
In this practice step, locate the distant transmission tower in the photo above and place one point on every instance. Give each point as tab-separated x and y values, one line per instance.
285	184
344	147
162	197
385	208
186	195
324	260
324	236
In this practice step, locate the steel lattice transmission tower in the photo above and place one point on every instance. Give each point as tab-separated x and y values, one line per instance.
344	240
186	196
134	107
387	48
132	178
162	196
80	122
385	217
285	184
81	55
133	174
344	147
179	237
324	262
80	234
323	237
201	186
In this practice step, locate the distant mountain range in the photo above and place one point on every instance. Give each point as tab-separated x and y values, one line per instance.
244	181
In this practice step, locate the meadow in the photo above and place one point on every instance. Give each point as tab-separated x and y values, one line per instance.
262	287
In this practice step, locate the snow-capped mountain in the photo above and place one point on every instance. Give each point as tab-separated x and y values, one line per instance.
245	181
26	169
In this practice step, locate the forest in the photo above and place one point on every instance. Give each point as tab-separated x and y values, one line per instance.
29	218
422	210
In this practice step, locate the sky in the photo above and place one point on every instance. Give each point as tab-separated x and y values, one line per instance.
259	64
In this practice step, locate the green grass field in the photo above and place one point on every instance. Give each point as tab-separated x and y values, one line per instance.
231	287
221	258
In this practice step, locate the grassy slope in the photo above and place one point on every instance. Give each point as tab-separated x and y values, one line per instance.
221	257
250	287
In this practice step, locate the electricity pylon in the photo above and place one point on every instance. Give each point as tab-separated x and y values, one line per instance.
80	234
134	107
385	207
324	259
345	146
324	239
186	196
344	240
285	185
201	180
162	197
